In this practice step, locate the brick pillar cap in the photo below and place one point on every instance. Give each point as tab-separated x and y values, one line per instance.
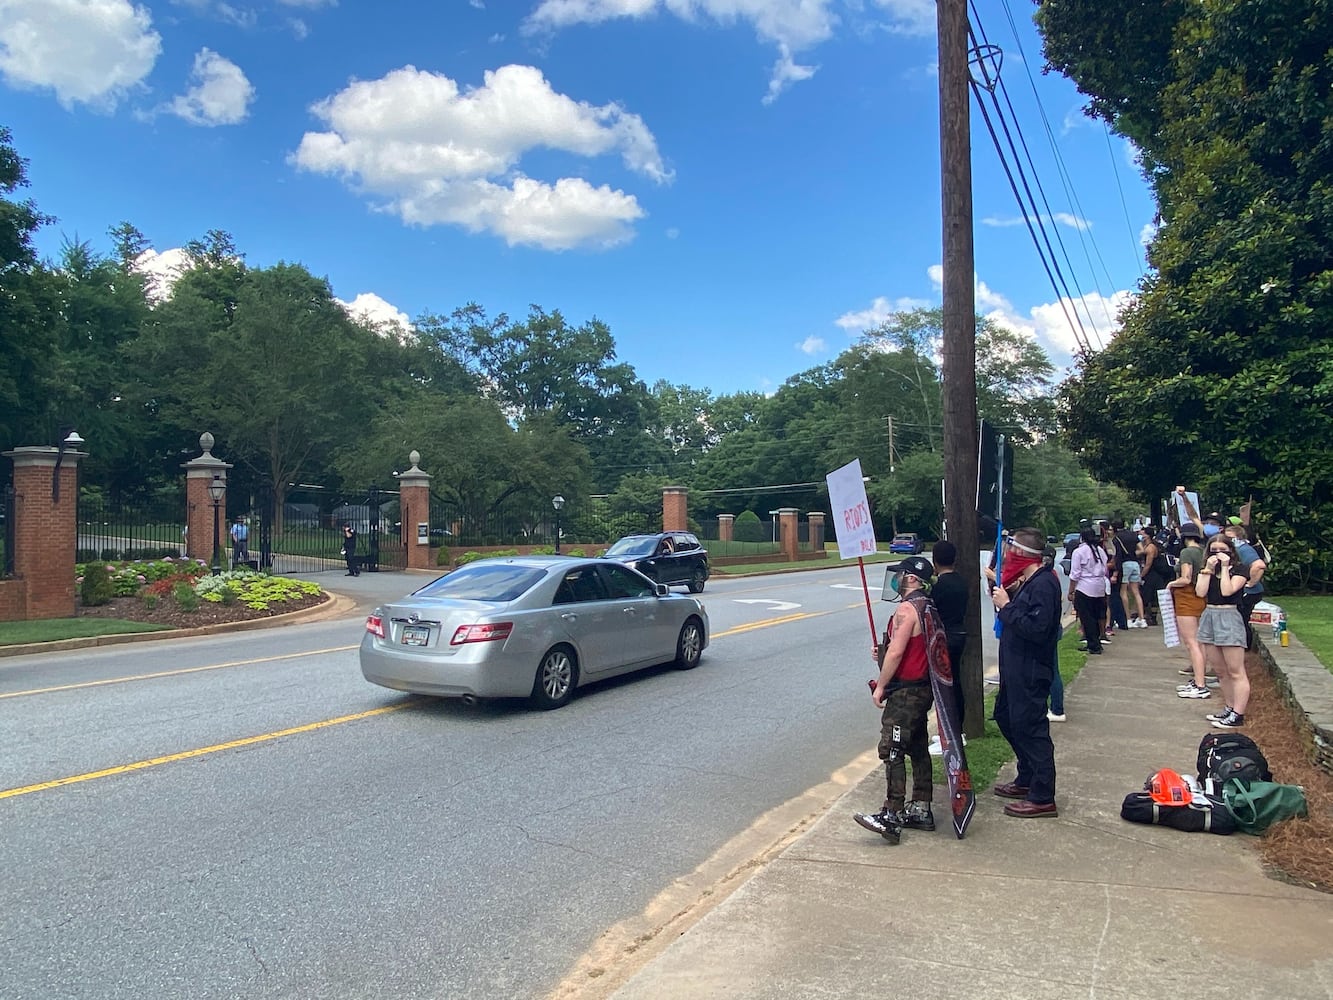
789	510
814	514
41	455
207	462
675	489
726	517
414	476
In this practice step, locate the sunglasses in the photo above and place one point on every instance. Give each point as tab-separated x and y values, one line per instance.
1219	552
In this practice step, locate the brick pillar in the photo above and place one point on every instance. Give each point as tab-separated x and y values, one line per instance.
199	474
675	510
726	525
816	519
414	508
789	532
45	529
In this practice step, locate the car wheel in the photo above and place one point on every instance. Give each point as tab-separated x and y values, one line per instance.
696	583
690	644
556	677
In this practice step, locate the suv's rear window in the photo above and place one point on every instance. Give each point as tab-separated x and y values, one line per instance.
484	582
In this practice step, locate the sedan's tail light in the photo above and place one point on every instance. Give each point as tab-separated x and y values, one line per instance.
375	625
493	632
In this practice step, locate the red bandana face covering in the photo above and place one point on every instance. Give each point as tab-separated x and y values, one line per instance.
1015	565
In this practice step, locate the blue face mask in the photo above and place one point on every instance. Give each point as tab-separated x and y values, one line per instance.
896	583
1209	530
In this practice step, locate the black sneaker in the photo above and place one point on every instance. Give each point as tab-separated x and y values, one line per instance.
917	816
886	822
1232	720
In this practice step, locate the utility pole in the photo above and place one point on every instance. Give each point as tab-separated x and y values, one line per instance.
890	420
960	336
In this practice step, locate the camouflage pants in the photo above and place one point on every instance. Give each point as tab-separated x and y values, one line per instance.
902	735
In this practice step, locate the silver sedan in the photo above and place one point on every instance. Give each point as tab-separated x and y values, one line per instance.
532	627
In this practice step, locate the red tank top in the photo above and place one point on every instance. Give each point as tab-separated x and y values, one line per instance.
914	664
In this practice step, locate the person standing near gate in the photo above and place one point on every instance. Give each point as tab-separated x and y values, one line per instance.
349	550
240	542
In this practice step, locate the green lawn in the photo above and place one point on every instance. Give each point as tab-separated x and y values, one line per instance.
1310	619
51	629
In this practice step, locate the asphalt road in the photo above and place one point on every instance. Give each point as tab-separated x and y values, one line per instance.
249	818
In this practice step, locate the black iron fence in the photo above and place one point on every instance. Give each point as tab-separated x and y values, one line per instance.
143	528
302	531
584	523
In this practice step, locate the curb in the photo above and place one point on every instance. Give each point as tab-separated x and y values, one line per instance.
337	606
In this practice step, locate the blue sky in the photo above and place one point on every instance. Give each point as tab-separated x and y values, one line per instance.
736	187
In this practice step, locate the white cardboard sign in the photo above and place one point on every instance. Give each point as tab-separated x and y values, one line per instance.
852	525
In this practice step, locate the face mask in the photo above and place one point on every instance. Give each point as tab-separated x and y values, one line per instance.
1209	530
1015	565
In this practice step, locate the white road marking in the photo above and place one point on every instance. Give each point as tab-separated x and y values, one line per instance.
773	605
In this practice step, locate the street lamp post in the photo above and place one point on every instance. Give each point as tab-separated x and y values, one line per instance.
558	502
217	489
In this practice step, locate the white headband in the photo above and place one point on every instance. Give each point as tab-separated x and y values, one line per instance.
1023	548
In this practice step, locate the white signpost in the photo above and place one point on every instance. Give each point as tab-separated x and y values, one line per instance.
854	529
852	525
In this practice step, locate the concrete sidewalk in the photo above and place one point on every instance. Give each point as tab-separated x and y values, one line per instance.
1084	905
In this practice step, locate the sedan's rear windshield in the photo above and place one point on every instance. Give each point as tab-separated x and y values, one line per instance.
634	546
484	582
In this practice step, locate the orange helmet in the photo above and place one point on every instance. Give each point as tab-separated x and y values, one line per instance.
1168	788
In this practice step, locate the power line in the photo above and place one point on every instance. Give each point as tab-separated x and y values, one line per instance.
1065	179
983	47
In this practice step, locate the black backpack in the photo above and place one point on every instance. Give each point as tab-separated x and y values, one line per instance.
1223	756
1210	816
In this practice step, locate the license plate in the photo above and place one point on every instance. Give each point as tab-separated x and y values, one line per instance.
416	635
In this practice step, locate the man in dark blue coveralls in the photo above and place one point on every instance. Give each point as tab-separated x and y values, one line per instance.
1027	603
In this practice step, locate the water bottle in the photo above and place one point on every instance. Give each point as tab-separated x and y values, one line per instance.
1282	634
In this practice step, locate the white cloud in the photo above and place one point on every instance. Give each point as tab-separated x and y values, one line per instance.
791	25
1148	233
300	29
880	310
1062	218
374	311
1053	324
910	17
161	270
88	51
812	345
219	92
437	155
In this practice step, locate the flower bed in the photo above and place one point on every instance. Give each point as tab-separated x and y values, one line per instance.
183	593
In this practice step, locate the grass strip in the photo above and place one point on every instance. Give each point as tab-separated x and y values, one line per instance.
1310	619
987	754
54	629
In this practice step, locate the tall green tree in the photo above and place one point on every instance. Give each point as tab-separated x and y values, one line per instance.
27	348
1225	360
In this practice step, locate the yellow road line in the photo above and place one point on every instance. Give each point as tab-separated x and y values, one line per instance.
267	737
200	752
172	673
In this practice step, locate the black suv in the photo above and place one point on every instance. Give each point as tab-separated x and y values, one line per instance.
672	557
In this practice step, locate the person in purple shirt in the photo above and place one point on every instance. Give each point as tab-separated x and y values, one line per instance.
1087	588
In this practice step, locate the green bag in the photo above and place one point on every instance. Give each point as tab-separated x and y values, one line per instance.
1257	805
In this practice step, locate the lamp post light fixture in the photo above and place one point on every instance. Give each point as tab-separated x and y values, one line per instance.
217	489
558	502
70	440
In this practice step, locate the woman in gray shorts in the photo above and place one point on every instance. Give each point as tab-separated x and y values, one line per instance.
1222	630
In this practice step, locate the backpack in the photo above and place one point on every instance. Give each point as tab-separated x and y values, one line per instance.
1224	756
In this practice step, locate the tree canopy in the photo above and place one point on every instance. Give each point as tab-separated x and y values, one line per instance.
1223	371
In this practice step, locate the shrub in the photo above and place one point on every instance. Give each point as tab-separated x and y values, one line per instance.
578	553
97	587
184	596
442	556
149	601
544	550
748	528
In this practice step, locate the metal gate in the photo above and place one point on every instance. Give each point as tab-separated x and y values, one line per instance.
301	530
